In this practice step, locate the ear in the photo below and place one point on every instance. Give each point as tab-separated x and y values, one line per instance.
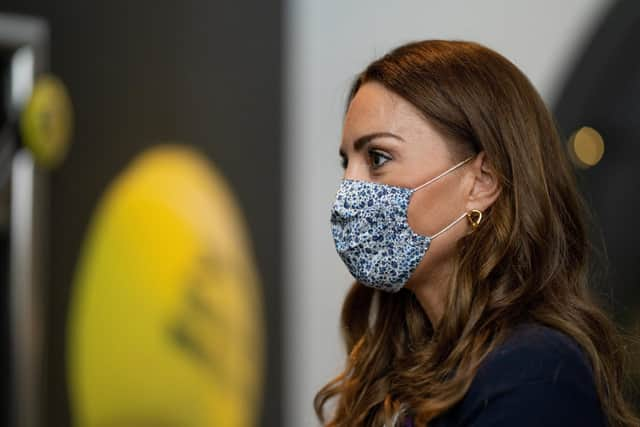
485	188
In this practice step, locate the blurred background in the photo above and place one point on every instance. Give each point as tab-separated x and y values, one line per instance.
167	170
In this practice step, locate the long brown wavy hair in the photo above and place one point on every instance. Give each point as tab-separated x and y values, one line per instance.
528	261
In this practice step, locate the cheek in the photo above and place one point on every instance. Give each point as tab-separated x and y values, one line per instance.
432	209
421	214
440	252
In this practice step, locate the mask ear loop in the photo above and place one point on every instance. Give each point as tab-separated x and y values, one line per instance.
451	169
449	226
474	216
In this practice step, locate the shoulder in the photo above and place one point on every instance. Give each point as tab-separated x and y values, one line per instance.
534	352
538	376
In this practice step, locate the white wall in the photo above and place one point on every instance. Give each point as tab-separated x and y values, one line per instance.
327	43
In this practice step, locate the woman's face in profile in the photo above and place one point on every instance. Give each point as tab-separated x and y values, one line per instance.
386	140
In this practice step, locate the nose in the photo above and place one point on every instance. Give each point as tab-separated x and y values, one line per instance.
356	171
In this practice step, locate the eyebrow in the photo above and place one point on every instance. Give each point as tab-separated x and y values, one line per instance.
365	139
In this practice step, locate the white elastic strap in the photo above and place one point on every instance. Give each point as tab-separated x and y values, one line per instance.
451	169
449	226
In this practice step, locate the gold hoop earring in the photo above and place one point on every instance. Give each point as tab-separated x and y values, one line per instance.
474	216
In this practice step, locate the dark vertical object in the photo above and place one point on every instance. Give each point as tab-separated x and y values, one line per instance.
7	149
207	73
603	92
24	214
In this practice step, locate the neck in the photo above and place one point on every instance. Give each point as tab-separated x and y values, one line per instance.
431	292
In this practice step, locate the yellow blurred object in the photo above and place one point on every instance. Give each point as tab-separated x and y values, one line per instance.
586	147
46	123
165	323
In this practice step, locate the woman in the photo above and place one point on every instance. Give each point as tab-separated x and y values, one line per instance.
460	220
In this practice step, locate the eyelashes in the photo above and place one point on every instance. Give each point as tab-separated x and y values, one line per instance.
378	158
375	159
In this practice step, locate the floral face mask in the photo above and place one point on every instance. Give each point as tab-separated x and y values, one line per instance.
372	234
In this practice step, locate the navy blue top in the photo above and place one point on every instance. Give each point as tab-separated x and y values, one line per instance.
537	377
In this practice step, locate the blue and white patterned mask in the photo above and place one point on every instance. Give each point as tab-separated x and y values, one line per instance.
372	234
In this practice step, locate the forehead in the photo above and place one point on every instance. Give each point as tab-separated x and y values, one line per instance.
377	109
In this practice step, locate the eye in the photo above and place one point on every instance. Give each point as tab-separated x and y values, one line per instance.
378	158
